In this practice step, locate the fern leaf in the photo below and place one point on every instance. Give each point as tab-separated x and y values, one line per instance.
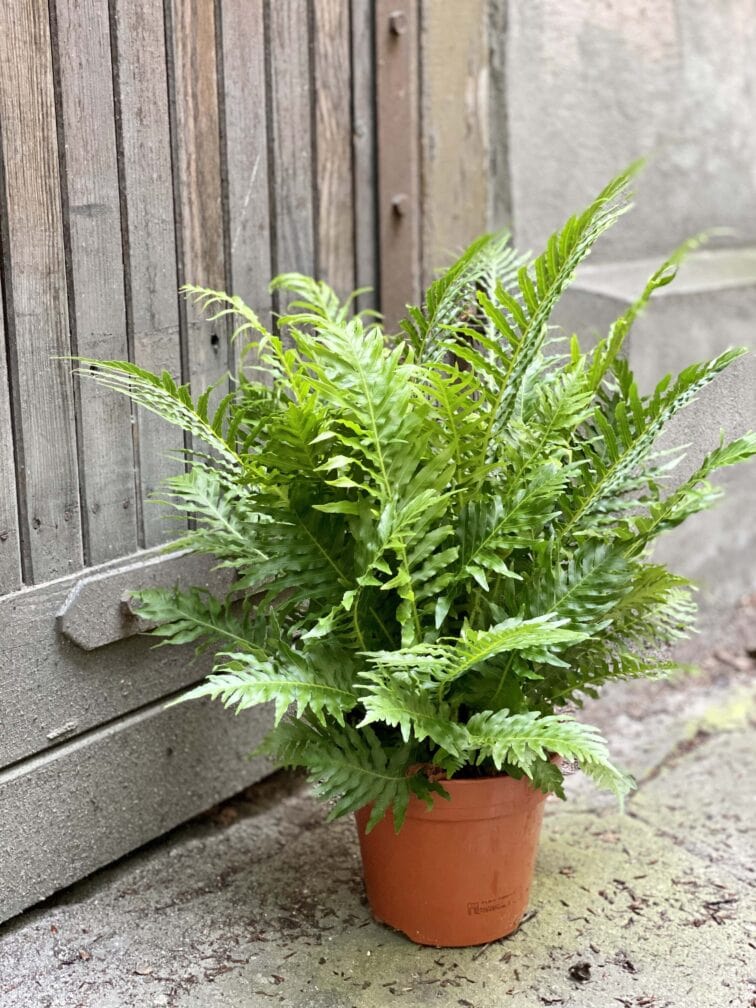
540	287
587	589
633	434
606	352
446	663
226	520
351	768
694	495
161	395
489	529
183	617
403	701
306	558
289	679
523	739
451	299
368	392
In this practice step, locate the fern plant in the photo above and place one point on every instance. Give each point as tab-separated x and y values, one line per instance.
445	534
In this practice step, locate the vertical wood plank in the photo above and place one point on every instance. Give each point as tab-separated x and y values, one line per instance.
290	110
500	180
199	212
248	268
10	545
96	306
396	40
363	151
36	295
149	235
333	142
454	129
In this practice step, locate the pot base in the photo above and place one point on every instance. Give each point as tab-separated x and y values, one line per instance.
419	939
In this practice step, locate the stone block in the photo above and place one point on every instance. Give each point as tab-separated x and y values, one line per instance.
591	85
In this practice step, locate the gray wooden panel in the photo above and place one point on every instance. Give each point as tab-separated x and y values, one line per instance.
363	151
10	546
396	45
52	689
333	121
248	267
150	240
72	810
199	213
499	175
36	296
98	312
290	108
454	130
100	608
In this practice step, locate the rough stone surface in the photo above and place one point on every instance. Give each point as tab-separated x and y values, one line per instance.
259	902
593	84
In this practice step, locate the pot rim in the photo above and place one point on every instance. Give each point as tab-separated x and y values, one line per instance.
473	799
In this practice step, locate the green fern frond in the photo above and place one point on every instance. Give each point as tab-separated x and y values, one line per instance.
450	300
490	528
217	304
557	409
244	679
306	559
523	739
368	391
694	495
445	663
607	351
316	298
594	663
183	617
407	703
586	590
351	768
226	523
521	320
626	438
161	395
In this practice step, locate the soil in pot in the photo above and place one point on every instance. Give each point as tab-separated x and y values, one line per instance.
459	873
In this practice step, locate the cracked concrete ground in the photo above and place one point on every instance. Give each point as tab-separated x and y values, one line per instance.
259	902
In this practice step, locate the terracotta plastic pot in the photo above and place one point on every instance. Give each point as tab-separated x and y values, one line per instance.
459	873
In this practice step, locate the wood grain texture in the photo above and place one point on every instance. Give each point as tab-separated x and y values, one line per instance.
454	118
396	41
499	181
149	236
94	799
96	304
291	133
363	152
199	212
36	296
10	544
52	689
333	143
248	267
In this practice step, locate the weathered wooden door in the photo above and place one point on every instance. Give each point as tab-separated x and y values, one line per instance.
144	144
